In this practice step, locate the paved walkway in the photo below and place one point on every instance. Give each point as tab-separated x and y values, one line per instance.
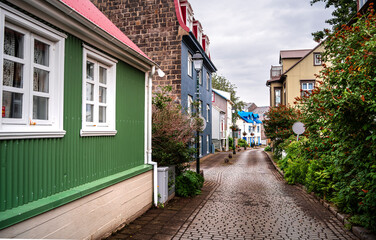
245	199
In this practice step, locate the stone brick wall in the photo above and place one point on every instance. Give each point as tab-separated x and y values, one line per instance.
153	26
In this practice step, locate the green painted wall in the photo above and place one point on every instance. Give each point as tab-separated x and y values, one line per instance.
33	169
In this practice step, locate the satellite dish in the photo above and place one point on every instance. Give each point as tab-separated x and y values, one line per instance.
298	128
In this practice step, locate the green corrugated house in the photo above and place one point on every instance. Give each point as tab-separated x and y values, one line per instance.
75	159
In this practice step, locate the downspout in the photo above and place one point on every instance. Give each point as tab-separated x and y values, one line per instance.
148	132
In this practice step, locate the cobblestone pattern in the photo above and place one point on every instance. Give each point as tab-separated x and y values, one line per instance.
153	26
253	202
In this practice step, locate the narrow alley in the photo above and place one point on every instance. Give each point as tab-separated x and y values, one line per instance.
248	199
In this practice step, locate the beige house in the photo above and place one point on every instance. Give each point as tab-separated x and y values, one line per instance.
295	74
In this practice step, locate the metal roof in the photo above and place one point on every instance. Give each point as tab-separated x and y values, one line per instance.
89	11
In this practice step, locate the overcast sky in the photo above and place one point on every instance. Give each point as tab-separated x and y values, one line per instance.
247	35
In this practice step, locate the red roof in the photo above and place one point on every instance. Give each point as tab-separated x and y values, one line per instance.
89	11
180	16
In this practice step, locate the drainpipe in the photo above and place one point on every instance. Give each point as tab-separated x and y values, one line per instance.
148	125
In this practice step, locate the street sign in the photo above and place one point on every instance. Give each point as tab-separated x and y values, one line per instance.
298	128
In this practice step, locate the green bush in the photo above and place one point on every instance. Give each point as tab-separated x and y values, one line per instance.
231	143
189	184
268	148
242	143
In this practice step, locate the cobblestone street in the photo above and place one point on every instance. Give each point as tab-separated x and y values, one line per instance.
244	199
253	202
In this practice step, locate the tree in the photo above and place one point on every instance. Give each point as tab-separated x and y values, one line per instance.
342	14
278	124
172	131
221	83
340	116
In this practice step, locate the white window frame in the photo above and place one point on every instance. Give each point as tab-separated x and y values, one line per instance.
304	86
207	81
189	105
95	128
317	59
207	112
279	90
190	64
27	127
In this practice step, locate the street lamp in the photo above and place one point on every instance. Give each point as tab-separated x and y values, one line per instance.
197	63
233	131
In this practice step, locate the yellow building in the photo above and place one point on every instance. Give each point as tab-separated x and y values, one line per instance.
296	73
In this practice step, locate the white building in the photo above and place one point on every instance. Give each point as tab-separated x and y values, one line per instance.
249	127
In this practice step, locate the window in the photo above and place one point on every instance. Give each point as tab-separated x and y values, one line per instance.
98	94
207	112
307	87
207	81
258	129
190	64
31	90
277	96
200	107
249	129
200	77
190	105
317	59
207	144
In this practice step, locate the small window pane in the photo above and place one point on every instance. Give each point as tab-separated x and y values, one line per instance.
89	113
40	108
13	43
102	75
41	53
89	70
12	74
41	80
89	92
102	114
102	95
310	86
12	105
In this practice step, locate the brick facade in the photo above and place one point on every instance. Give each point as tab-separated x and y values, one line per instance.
153	26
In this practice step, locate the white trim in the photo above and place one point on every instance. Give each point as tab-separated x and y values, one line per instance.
105	57
30	19
65	18
95	128
32	134
91	133
26	127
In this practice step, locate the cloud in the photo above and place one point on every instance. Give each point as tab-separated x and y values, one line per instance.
246	37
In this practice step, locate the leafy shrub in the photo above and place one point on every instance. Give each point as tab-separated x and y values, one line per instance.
231	143
339	116
242	143
171	131
189	184
295	164
268	148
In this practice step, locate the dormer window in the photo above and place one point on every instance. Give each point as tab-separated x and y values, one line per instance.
187	13
205	44
197	31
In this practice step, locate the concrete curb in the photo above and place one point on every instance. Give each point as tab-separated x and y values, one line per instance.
360	232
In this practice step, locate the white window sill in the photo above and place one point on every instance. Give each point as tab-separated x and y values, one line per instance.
92	133
32	134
